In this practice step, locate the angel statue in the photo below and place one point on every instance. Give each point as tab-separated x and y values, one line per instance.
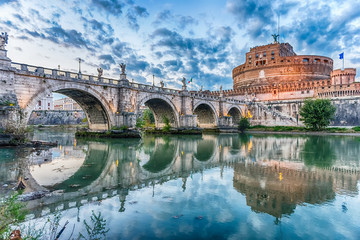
162	84
122	66
183	82
276	37
100	72
3	40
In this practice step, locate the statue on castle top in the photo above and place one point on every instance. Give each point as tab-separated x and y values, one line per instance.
3	40
122	66
276	37
183	82
220	88
162	84
100	72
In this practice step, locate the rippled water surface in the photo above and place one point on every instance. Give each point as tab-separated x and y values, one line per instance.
225	186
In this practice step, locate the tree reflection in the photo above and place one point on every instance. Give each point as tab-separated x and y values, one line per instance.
161	157
205	149
317	151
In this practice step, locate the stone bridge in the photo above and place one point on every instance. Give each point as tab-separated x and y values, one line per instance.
116	102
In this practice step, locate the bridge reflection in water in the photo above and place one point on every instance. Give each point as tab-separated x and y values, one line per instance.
275	173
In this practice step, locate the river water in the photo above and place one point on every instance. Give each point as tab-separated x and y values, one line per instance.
227	186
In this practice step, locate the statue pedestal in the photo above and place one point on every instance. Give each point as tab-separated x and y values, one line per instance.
123	80
122	76
5	62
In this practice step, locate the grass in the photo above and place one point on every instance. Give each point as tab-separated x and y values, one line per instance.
303	129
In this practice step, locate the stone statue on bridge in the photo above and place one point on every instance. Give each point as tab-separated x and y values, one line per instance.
100	72
183	83
122	66
3	40
162	84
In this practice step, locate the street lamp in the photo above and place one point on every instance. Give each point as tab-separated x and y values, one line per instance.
80	60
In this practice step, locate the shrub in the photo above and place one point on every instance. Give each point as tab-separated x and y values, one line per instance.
167	126
317	114
356	129
140	122
243	124
11	213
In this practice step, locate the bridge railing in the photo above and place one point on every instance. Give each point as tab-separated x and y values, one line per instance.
73	76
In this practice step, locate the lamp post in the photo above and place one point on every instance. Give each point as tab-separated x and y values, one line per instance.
80	60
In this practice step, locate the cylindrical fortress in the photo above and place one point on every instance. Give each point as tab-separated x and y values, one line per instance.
277	63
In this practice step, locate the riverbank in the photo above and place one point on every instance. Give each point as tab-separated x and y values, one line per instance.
174	131
109	134
353	131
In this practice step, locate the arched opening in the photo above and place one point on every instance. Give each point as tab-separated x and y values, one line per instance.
161	110
205	149
235	114
205	116
162	154
93	108
68	107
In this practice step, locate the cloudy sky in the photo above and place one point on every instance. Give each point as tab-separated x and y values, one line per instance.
199	39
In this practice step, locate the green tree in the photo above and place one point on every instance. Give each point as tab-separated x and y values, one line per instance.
167	126
317	114
243	124
148	117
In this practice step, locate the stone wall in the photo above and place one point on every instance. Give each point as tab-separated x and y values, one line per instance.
56	117
347	112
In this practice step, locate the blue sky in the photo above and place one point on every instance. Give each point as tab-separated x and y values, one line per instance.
202	39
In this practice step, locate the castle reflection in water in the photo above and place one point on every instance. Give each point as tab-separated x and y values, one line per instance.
274	172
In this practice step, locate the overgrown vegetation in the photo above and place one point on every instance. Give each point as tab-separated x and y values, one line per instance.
146	121
96	229
317	114
167	126
12	216
11	213
122	128
243	124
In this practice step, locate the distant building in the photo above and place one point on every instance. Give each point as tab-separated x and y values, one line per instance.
66	104
45	103
276	72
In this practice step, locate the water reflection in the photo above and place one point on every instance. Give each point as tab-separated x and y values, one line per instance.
275	173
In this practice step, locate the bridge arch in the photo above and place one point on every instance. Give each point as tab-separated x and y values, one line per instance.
235	112
98	111
161	107
206	114
205	150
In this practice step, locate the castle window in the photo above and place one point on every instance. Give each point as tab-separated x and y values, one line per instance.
249	56
249	61
316	60
272	53
305	60
257	55
264	54
272	58
326	61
